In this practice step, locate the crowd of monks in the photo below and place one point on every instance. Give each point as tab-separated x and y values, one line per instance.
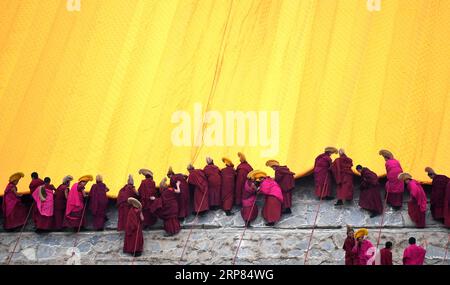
212	188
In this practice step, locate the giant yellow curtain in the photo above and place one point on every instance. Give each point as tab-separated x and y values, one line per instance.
94	91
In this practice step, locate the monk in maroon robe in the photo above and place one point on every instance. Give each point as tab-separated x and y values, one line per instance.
394	187
60	201
447	206
413	254
14	210
386	254
198	180
146	190
285	178
127	191
228	175
44	205
437	201
322	174
184	197
98	203
166	207
249	210
349	244
75	216
343	175
35	182
241	177
370	196
134	237
212	173
417	205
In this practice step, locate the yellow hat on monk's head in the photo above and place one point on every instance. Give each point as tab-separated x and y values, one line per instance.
86	178
361	233
227	161
429	170
241	157
258	175
170	171
331	149
250	174
403	176
134	202
386	153
16	176
272	162
145	172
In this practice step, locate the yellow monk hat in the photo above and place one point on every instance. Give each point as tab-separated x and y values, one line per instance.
361	233
429	170
258	175
331	149
241	156
386	153
16	176
272	162
250	174
134	202
227	161
403	176
145	172
86	178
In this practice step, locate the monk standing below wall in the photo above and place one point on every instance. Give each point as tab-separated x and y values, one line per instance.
413	254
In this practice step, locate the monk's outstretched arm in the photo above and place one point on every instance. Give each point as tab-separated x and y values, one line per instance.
14	190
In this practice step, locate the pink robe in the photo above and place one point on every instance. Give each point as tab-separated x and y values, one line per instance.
212	173
241	176
417	205
228	175
414	255
198	180
370	197
362	257
44	214
249	211
59	209
285	178
134	237
126	192
394	186
437	200
146	190
14	211
322	176
274	200
184	197
74	208
33	185
343	175
98	204
166	208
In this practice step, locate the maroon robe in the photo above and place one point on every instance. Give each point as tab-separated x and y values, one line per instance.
447	206
249	210
98	204
228	175
14	211
134	238
35	183
285	178
212	173
343	175
241	177
126	192
166	208
146	190
350	256
198	179
75	222
59	208
385	256
437	200
370	196
183	197
417	204
322	175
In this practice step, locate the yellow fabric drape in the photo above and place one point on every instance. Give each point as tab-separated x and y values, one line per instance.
93	91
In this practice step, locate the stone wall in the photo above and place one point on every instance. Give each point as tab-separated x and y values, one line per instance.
215	237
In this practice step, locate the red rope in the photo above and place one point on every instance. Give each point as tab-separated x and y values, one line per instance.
315	219
20	235
192	227
243	232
